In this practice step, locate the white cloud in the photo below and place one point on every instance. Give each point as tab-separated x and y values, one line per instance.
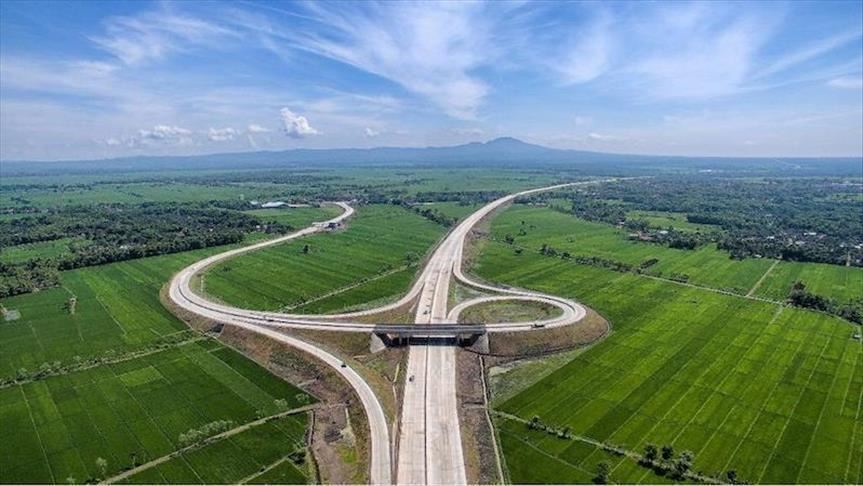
428	48
222	134
588	52
708	57
581	121
158	135
296	126
164	132
371	132
846	82
153	35
809	52
600	137
469	131
255	128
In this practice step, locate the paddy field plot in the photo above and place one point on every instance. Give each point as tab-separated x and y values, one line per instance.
116	308
296	217
706	266
365	259
452	209
139	192
664	219
42	249
258	453
135	410
772	392
840	283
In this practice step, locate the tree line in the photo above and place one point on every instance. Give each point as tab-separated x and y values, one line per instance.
800	219
111	233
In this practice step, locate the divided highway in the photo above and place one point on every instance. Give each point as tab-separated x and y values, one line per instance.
430	447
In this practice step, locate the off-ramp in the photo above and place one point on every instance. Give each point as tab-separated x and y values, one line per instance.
430	448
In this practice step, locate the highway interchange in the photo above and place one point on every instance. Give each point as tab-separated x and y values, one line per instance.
429	446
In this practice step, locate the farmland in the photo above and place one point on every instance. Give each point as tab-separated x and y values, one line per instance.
771	392
704	266
373	258
240	457
141	380
296	217
42	249
664	219
133	411
841	283
116	308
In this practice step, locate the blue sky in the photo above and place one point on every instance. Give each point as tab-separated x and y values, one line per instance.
104	79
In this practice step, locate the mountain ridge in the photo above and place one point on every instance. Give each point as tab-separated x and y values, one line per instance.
502	151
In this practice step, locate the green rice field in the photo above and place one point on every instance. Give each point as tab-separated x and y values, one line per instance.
246	456
296	217
705	266
452	209
117	308
365	259
133	411
42	249
664	219
772	392
840	283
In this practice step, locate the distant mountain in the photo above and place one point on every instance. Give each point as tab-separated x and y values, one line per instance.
505	151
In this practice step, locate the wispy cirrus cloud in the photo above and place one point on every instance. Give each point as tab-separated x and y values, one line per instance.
427	48
153	35
846	82
808	52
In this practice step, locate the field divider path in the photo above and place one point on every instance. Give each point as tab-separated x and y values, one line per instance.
854	435
788	420
684	396
38	436
209	440
633	455
761	280
820	416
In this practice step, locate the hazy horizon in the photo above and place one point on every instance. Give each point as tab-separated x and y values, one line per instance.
421	147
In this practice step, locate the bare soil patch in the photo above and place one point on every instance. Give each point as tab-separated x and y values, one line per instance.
476	434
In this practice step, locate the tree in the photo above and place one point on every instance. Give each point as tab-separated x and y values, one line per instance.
306	248
731	476
102	465
667	453
683	463
602	471
651	452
